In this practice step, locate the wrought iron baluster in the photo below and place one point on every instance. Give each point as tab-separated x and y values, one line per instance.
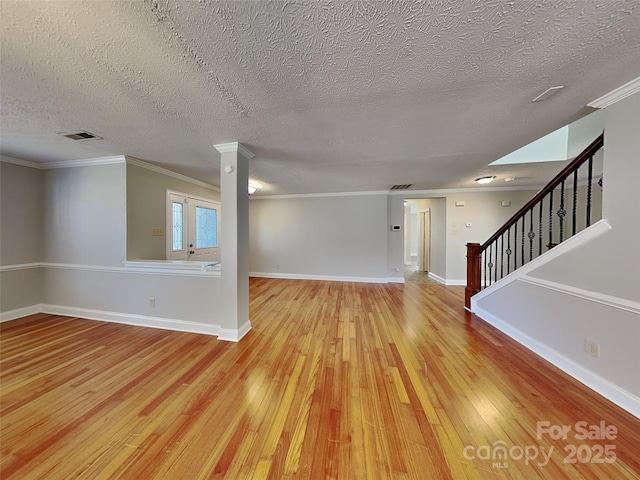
522	260
515	245
502	256
561	212
550	219
531	234
508	252
575	202
589	179
540	228
495	271
484	285
490	263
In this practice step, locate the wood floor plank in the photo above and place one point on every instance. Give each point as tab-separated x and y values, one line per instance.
336	380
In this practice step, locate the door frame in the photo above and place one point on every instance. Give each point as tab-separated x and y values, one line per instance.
424	239
169	219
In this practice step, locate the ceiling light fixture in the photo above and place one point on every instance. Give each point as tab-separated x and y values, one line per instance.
509	179
253	188
483	180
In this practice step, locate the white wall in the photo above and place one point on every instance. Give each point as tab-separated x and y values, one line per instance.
338	237
592	291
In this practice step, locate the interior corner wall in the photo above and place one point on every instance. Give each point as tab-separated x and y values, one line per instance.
592	291
320	237
21	236
395	239
146	210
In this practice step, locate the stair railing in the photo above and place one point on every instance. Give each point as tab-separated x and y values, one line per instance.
550	217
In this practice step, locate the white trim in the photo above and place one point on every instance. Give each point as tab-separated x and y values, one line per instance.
20	312
151	267
20	266
234	147
609	300
173	267
325	278
88	162
455	282
163	171
437	278
617	395
616	95
395	279
438	192
132	319
315	195
409	194
594	231
232	335
21	162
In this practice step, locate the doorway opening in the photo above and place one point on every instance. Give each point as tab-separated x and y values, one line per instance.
424	253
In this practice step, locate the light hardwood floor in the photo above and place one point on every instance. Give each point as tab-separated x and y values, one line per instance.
336	380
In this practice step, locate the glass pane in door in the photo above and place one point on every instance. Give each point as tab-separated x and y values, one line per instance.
177	243
206	227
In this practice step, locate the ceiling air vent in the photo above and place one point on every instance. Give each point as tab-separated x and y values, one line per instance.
401	187
81	136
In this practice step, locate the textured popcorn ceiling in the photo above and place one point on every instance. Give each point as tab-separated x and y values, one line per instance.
330	96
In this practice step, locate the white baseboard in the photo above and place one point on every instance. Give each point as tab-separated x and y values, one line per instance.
132	319
395	279
224	334
455	282
617	395
20	312
437	278
326	278
231	335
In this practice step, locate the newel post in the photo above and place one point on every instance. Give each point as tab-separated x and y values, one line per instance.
473	273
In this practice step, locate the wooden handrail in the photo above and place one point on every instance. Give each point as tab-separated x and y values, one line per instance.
596	145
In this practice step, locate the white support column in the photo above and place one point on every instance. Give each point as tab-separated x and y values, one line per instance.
234	245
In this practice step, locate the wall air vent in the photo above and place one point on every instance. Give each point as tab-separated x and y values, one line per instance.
401	187
81	136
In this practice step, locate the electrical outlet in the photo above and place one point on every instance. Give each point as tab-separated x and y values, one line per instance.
152	302
591	348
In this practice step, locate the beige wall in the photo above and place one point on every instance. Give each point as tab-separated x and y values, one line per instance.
21	235
485	213
146	209
331	236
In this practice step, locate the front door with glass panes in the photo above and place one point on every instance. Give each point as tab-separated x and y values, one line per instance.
194	226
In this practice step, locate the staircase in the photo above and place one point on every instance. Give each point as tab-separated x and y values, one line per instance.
558	211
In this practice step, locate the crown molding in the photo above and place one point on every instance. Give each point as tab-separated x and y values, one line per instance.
163	171
21	162
234	147
616	95
316	195
88	162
